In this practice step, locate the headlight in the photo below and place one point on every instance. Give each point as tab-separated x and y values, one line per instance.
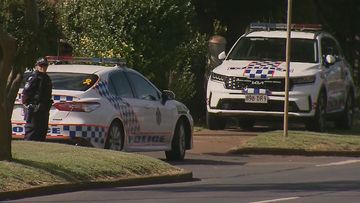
303	80
217	77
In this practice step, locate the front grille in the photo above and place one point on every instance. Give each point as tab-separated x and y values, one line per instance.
240	83
239	104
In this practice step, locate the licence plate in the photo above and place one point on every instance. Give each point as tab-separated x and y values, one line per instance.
256	98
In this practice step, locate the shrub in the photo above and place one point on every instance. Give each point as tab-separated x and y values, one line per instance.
156	37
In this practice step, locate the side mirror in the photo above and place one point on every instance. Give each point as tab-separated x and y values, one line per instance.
330	60
222	55
167	95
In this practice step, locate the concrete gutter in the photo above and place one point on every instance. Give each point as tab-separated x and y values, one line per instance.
301	152
206	132
71	187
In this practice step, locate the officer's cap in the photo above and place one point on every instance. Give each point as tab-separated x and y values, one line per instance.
42	62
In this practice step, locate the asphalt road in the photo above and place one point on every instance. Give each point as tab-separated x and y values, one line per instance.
254	178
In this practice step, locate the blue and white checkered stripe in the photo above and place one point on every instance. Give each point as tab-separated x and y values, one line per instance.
131	123
255	91
258	74
272	65
62	98
262	69
55	98
94	134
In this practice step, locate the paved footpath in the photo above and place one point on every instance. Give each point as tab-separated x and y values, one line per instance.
219	141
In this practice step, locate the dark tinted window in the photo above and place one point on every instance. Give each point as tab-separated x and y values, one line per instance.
274	49
70	81
120	85
143	89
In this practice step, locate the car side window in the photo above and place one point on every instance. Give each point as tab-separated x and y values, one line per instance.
143	88
329	47
119	85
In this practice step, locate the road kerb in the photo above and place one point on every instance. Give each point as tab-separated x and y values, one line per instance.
71	187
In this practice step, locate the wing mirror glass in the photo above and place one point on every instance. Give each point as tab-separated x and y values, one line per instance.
330	59
222	55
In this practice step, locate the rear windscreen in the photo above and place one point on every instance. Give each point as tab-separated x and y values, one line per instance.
70	81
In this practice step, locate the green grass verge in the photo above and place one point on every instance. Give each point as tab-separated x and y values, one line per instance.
38	164
301	141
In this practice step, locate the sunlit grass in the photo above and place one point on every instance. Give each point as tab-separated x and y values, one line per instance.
39	164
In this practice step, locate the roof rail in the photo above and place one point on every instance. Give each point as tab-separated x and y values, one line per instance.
283	26
71	59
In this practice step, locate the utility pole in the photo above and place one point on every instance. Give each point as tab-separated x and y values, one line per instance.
288	54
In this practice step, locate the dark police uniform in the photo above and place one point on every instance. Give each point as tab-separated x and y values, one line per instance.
37	101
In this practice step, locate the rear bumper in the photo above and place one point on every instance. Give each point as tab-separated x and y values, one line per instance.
82	134
62	139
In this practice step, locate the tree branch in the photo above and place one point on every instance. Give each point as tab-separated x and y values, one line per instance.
31	14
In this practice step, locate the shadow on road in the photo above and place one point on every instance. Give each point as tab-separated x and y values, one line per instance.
325	186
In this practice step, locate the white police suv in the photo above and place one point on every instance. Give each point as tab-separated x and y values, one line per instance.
111	107
250	83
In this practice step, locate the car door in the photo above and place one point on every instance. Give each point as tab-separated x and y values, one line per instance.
156	118
334	75
129	111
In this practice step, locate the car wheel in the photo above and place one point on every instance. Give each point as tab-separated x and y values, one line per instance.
115	138
215	122
318	122
178	144
347	117
246	124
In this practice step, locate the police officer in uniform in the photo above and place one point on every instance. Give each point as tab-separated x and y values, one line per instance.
36	98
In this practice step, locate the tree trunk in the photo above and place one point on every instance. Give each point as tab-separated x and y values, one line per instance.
8	45
11	74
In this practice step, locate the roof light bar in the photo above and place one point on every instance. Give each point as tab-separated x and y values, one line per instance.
314	27
267	26
58	59
283	26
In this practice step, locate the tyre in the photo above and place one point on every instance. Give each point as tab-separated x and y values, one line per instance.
215	122
345	121
246	124
318	122
178	144
115	138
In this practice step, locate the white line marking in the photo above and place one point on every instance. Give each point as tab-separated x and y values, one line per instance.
276	200
340	163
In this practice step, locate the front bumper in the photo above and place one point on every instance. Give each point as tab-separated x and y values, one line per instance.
227	102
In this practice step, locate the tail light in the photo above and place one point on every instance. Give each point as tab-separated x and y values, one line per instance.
77	106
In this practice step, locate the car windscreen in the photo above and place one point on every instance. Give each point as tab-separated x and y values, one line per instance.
70	81
274	49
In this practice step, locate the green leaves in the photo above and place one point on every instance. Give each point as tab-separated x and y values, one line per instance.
31	44
156	37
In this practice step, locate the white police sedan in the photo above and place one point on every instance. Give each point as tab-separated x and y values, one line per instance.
111	107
